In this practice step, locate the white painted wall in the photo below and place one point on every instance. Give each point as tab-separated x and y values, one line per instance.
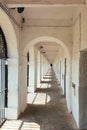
75	69
38	71
59	70
63	34
31	87
11	39
79	43
73	38
35	67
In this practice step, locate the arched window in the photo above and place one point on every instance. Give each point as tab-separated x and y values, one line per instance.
3	76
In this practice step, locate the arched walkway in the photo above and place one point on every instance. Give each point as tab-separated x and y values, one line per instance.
10	35
53	39
46	39
46	107
11	110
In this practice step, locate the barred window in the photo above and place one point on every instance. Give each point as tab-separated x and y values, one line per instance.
3	46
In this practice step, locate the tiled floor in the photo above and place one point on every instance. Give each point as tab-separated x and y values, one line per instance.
46	109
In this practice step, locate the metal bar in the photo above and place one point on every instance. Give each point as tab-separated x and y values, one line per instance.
3	90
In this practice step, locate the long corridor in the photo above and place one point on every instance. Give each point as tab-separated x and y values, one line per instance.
46	109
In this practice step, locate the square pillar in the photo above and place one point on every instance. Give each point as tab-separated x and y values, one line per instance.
11	112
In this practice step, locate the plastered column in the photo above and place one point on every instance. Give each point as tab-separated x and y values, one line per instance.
41	66
68	84
23	84
12	109
35	67
38	70
45	66
31	87
22	77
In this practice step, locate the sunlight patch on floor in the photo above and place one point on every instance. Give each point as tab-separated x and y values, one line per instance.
20	125
47	79
48	76
38	98
11	125
46	85
30	126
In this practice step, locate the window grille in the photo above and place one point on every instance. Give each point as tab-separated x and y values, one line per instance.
3	76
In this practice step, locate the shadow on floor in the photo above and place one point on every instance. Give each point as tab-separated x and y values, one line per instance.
46	109
52	115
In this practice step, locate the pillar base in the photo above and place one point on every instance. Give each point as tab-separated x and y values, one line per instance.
31	89
11	113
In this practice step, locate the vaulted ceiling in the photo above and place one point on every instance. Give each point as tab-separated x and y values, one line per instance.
49	16
49	49
44	13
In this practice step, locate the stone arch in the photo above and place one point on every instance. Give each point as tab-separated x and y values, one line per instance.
3	46
12	65
45	39
53	39
10	34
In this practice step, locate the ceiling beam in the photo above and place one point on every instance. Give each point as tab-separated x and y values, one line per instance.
48	22
44	3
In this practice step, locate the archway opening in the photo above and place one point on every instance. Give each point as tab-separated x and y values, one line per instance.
10	66
64	73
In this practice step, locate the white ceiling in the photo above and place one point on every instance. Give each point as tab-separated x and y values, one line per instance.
51	50
47	13
53	12
48	16
45	1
